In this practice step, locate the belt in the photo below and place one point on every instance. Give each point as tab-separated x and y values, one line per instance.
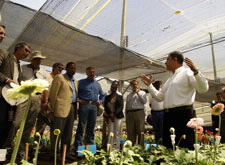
82	101
178	108
157	110
134	110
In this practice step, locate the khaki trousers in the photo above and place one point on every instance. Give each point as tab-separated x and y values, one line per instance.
135	122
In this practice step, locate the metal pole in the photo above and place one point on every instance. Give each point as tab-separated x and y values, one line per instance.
122	42
213	57
123	25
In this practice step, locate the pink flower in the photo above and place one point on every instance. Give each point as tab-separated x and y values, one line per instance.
199	130
195	122
217	109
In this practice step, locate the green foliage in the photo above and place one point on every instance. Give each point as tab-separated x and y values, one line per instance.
98	141
159	155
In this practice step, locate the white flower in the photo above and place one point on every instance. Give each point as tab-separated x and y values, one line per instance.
27	87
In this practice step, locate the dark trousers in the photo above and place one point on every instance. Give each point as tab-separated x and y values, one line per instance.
222	129
5	124
65	125
178	118
105	133
157	122
215	123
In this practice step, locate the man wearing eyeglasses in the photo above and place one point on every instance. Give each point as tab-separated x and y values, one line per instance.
57	68
9	72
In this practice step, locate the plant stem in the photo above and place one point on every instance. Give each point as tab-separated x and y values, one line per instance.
214	157
196	145
180	140
56	145
18	138
37	149
219	124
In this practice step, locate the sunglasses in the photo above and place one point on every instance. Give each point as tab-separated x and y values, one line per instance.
61	68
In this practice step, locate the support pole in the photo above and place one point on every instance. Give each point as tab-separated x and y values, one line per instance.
122	42
213	57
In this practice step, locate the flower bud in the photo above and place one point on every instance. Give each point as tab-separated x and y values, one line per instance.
128	143
57	132
172	130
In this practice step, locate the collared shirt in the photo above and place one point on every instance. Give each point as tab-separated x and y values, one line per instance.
90	90
16	70
136	101
29	73
74	100
180	88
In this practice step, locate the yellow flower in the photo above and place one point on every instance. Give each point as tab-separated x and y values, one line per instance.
217	109
184	136
57	132
38	134
27	87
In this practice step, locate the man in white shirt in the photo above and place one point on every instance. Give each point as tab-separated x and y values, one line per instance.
135	115
178	94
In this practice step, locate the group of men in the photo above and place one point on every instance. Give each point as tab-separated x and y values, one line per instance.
56	106
172	104
65	94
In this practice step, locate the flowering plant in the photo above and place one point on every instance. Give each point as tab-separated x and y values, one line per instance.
195	123
25	90
217	109
29	87
172	136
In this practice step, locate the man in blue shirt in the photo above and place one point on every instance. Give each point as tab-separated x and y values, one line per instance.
90	95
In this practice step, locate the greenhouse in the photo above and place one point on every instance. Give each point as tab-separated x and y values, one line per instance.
124	40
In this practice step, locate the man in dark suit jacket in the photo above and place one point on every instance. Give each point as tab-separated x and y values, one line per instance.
9	72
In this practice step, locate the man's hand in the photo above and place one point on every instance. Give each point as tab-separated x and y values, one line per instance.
137	90
45	106
147	80
192	66
9	81
112	117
